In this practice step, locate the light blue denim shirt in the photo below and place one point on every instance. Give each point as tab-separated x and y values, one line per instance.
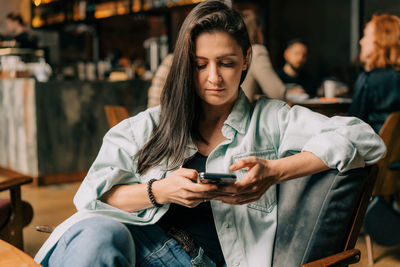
269	129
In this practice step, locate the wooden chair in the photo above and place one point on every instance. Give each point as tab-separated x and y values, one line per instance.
347	254
21	212
388	182
115	114
322	251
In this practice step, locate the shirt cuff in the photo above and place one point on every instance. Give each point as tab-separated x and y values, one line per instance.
336	151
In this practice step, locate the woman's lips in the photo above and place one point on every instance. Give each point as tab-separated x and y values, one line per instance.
216	90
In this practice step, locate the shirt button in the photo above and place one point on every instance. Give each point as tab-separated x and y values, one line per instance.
225	225
236	263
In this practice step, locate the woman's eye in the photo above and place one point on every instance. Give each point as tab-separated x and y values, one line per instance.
201	66
227	64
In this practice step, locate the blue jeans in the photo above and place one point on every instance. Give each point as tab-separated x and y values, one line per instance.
101	241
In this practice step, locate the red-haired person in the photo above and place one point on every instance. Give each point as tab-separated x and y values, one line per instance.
377	90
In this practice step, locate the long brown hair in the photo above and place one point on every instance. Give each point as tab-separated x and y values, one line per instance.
386	52
180	104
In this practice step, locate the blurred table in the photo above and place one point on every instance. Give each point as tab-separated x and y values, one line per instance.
327	106
11	256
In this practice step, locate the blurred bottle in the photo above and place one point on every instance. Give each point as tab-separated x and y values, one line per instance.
137	5
152	53
42	71
164	47
79	10
90	71
81	71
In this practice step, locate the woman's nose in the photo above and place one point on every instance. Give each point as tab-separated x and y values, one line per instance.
213	75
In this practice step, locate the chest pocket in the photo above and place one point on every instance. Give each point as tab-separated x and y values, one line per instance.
268	201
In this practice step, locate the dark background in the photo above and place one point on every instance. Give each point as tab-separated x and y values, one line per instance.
331	28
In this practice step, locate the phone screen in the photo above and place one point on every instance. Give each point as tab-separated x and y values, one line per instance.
216	178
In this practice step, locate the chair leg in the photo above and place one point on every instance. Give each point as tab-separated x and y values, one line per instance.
370	252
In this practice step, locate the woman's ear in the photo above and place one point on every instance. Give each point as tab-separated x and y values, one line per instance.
247	59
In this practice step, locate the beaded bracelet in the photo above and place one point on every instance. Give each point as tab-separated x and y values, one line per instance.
151	196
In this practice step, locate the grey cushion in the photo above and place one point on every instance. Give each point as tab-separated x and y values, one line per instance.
314	214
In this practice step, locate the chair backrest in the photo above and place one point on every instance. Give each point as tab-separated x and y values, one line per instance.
362	207
321	214
389	178
115	114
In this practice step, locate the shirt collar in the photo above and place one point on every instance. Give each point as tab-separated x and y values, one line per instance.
237	120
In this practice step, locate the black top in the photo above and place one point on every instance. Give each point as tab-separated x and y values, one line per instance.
303	79
376	95
198	222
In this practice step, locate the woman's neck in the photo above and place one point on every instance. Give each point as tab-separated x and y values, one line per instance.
210	126
215	115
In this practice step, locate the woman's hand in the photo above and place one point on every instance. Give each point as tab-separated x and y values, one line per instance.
261	175
296	90
181	187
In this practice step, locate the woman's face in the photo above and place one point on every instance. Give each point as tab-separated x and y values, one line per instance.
367	42
219	62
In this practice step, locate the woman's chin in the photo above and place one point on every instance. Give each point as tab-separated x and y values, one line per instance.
218	102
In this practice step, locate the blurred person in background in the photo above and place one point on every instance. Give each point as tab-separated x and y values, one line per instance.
292	74
158	81
377	89
17	31
261	77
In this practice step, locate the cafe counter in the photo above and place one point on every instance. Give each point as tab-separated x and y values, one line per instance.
53	130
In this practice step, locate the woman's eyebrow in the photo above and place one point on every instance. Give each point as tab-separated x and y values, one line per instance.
227	55
219	57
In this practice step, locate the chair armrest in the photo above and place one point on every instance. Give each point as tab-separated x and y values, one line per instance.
340	259
13	182
12	231
11	179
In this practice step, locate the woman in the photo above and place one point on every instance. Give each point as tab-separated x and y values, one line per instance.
261	77
377	90
140	204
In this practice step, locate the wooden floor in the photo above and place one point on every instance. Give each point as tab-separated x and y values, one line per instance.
53	204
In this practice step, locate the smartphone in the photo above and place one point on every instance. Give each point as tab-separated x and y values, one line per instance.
216	178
